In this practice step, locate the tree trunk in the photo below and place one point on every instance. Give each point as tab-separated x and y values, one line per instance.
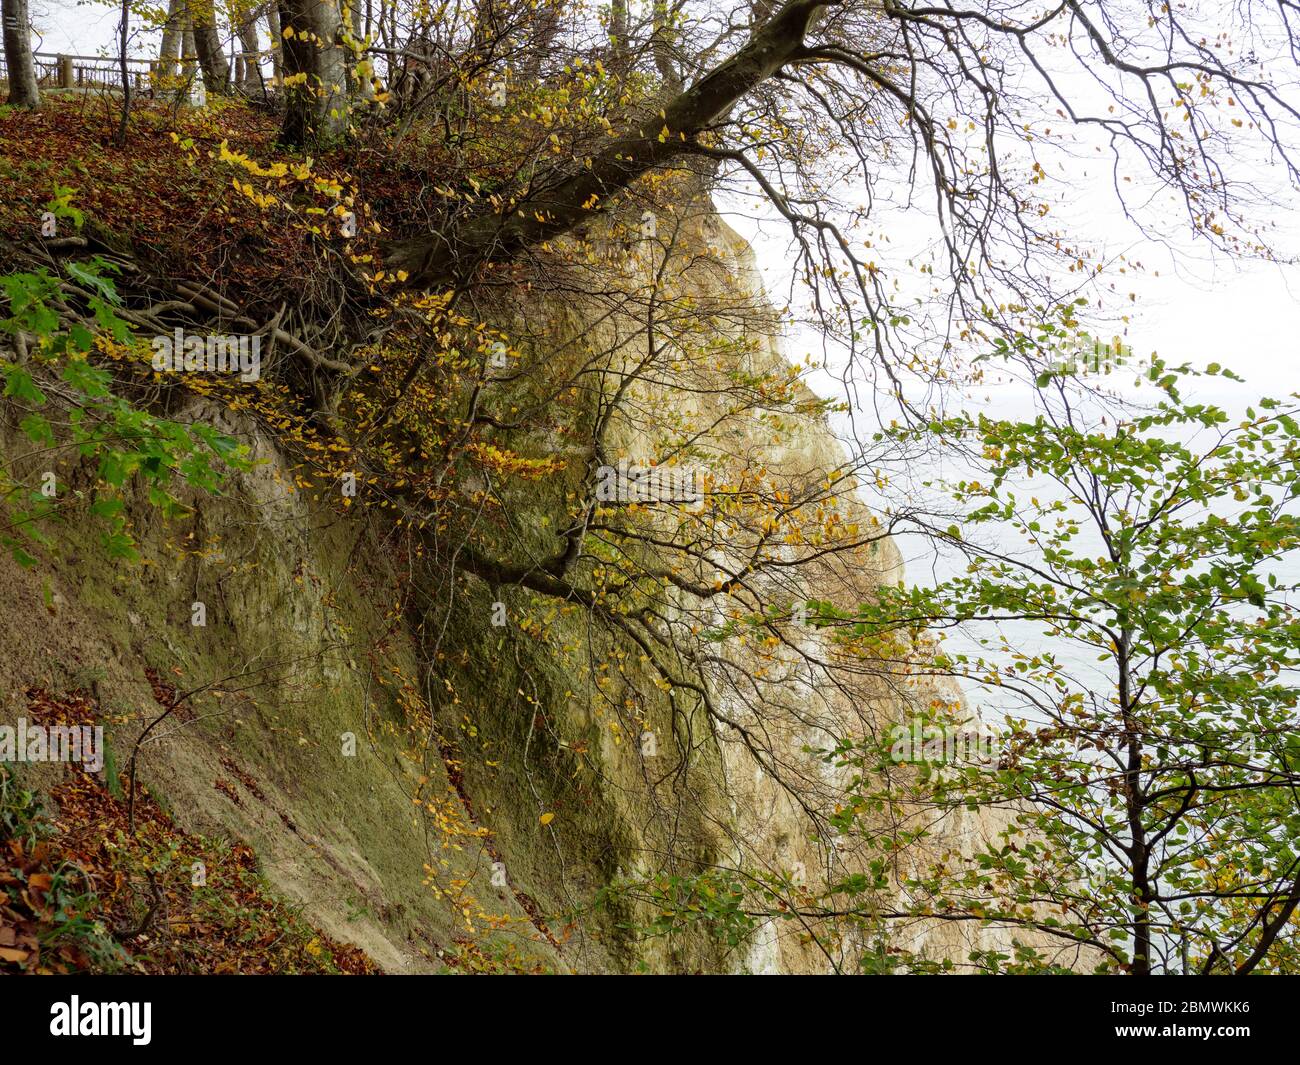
273	27
188	49
663	44
172	37
207	43
446	258
317	103
618	34
249	60
361	68
23	91
546	27
124	35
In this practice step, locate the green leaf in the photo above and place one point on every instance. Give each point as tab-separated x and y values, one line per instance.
106	508
119	545
38	430
82	338
108	320
20	385
92	380
89	276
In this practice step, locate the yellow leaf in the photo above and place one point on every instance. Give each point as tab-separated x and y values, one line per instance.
546	819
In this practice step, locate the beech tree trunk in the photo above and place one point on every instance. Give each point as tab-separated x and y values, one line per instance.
188	50
173	33
316	105
360	66
249	63
207	43
23	90
618	31
444	258
663	45
273	27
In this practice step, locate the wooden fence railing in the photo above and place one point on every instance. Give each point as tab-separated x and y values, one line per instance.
88	71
